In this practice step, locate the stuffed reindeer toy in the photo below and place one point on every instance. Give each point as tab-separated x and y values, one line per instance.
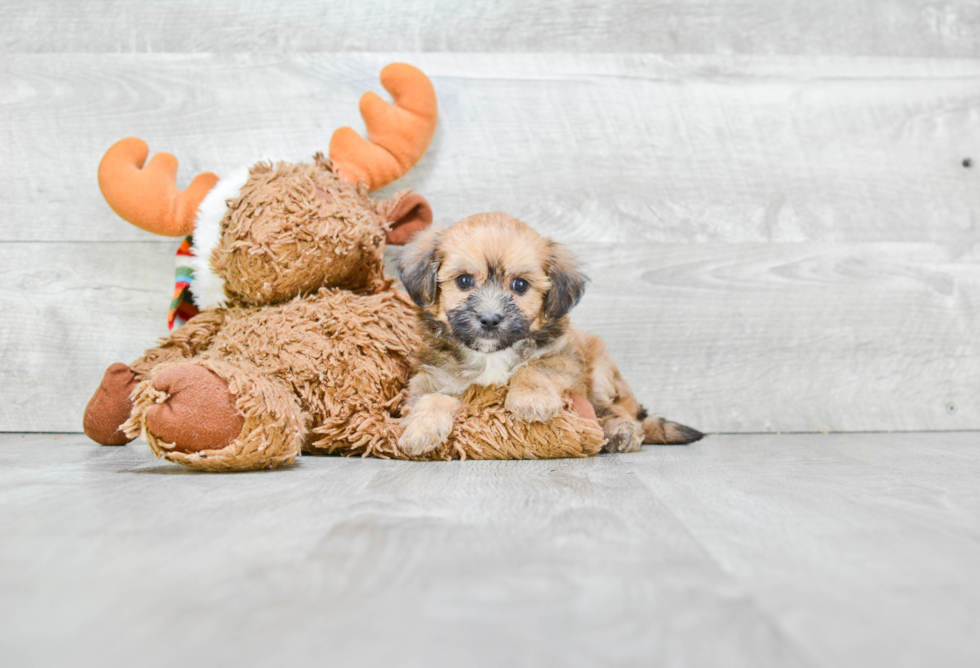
295	339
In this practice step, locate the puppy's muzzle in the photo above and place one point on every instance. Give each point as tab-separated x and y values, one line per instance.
488	320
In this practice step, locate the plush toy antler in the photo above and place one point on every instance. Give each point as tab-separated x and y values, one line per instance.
399	134
147	196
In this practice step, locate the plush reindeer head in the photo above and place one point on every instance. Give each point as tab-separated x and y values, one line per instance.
270	232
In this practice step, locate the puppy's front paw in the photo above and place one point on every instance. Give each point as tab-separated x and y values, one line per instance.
424	434
623	436
428	425
533	405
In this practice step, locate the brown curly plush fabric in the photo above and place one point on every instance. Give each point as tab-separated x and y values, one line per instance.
296	226
483	429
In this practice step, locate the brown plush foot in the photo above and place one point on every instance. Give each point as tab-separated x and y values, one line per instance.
199	414
661	432
110	406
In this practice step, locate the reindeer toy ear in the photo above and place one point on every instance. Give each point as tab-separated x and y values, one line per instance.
411	215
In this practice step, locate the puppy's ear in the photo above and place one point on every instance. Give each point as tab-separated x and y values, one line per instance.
418	267
567	282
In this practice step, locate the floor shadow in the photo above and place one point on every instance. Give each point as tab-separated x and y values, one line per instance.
177	469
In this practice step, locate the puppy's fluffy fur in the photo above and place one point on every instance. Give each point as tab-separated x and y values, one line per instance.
494	298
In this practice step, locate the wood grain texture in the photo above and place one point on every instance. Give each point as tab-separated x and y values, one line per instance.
881	566
69	308
848	27
840	551
792	337
724	337
355	562
588	148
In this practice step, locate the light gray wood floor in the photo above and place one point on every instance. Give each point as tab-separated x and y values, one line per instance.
741	550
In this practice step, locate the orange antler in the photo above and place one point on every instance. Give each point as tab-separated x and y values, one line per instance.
399	133
147	196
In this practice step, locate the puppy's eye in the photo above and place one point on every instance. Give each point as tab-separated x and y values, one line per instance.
519	285
464	282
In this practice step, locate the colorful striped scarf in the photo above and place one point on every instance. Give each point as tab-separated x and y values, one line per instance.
182	306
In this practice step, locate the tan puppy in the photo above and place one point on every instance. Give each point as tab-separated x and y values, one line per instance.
494	298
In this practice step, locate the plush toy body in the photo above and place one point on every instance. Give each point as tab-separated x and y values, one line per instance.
299	343
318	374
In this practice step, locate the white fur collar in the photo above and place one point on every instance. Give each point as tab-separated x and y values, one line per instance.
491	368
209	288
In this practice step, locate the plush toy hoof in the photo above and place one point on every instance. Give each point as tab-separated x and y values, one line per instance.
110	406
199	413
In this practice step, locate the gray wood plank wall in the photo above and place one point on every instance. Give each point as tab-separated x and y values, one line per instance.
943	28
770	197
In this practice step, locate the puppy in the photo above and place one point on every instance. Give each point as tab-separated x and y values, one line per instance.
494	298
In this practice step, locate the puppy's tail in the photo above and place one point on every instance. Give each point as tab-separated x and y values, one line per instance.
659	431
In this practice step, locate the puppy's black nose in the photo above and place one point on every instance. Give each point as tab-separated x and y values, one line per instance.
489	320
